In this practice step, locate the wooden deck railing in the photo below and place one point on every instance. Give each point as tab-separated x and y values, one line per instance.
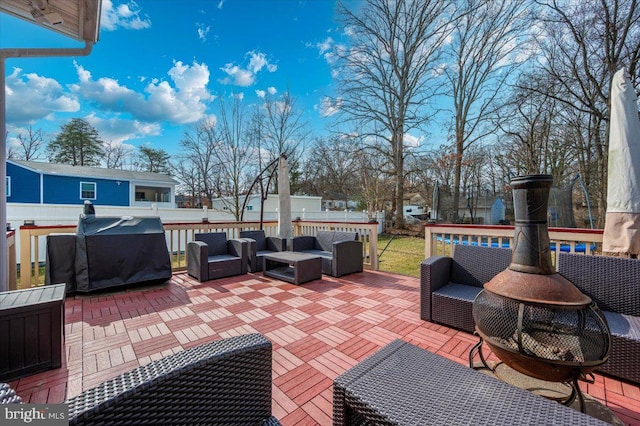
12	276
178	234
438	238
367	233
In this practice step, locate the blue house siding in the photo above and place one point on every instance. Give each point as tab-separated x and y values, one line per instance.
66	190
25	185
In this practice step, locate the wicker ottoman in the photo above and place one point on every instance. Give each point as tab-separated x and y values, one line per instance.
404	385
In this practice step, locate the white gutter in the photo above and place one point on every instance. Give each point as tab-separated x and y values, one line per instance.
19	53
27	52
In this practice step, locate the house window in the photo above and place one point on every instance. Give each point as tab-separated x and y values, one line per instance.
8	186
88	190
249	207
153	194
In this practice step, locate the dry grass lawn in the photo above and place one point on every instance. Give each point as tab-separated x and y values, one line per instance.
402	256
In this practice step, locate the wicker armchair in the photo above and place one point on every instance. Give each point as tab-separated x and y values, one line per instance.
613	283
341	252
259	245
222	382
448	285
212	256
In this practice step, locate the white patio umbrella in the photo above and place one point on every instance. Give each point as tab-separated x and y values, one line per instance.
622	222
285	227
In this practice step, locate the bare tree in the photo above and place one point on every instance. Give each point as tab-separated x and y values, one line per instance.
382	76
536	137
583	44
198	161
30	144
336	164
233	155
284	131
115	154
376	181
184	170
486	43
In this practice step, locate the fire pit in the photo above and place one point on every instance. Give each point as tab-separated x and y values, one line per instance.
535	320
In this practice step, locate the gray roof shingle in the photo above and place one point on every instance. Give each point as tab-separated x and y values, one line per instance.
94	172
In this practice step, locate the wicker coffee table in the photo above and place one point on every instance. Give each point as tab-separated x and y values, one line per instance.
404	385
293	267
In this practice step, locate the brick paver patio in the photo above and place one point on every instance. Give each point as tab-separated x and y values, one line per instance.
318	330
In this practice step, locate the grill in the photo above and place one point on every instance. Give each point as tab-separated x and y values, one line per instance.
535	320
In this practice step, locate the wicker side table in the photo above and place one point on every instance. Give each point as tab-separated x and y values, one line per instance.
404	385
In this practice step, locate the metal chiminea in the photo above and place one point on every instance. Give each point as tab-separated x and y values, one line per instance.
535	320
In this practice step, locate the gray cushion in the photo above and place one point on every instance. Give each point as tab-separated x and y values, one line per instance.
217	242
621	325
345	236
322	253
459	291
324	240
475	265
222	258
258	236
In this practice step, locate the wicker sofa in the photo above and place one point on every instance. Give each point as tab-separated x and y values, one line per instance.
222	382
448	285
341	252
613	283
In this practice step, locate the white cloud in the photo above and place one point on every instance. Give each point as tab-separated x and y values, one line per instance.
440	69
31	97
244	77
191	80
203	31
118	129
325	45
412	141
257	61
220	4
328	107
237	76
182	102
124	15
281	107
332	55
238	96
263	93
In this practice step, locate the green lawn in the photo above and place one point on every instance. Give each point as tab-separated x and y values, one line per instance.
403	256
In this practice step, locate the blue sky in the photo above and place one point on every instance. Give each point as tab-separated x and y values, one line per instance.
160	64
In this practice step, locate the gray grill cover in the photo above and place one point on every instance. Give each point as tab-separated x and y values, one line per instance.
115	251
